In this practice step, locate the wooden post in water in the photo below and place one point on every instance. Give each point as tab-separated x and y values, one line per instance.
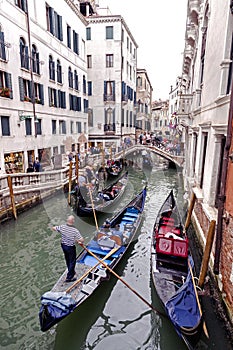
206	257
190	210
70	183
76	167
9	181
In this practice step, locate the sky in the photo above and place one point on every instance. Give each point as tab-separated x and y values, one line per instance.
158	27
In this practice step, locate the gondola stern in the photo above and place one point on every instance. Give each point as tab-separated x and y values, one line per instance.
54	307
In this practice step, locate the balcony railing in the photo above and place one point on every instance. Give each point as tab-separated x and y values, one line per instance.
109	97
109	129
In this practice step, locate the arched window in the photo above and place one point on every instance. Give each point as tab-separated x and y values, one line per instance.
59	72
51	68
35	60
24	57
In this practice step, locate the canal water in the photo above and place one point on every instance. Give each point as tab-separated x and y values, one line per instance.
113	318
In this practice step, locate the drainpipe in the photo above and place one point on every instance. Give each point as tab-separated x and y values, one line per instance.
222	194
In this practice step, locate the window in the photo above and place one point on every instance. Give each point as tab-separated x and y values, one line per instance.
89	61
109	61
85	105
38	127
78	127
59	72
52	97
54	127
22	4
54	23
90	117
62	149
89	88
5	124
51	68
84	85
5	84
2	46
75	103
25	89
24	57
62	127
68	36
71	127
109	91
76	84
75	42
35	60
70	77
28	126
88	33
109	32
61	99
39	93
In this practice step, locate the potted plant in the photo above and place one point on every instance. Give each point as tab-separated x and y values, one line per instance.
27	99
5	92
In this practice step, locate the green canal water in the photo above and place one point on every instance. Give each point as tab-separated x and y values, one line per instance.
113	318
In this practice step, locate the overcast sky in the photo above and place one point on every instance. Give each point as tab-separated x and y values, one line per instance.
158	27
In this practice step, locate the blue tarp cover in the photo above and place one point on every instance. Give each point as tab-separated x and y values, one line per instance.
182	308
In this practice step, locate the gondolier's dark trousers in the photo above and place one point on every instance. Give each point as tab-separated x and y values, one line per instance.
70	256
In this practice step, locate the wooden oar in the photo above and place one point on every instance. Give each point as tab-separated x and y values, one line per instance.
93	208
123	281
198	301
92	268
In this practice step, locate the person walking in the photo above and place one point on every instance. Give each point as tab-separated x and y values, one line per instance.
69	236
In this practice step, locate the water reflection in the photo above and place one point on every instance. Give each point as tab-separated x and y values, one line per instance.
31	261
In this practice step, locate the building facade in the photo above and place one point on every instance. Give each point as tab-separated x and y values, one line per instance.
111	63
207	79
43	82
144	100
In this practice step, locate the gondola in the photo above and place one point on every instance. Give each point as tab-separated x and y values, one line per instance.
172	275
110	243
100	201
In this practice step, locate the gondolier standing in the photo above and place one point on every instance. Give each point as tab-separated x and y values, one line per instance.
69	236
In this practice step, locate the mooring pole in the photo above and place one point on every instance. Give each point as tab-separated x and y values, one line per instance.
190	210
206	257
70	182
9	181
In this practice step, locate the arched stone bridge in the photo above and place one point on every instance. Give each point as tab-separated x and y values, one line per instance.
173	160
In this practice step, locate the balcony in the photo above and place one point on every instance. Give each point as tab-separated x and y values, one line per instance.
124	98
109	97
110	129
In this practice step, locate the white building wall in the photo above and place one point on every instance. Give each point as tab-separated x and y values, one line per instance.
98	47
14	25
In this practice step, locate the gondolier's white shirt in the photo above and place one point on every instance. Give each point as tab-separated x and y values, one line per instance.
69	234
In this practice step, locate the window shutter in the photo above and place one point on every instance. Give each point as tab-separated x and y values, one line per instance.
41	93
9	83
52	20
37	63
59	22
26	58
79	104
21	89
3	50
105	117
